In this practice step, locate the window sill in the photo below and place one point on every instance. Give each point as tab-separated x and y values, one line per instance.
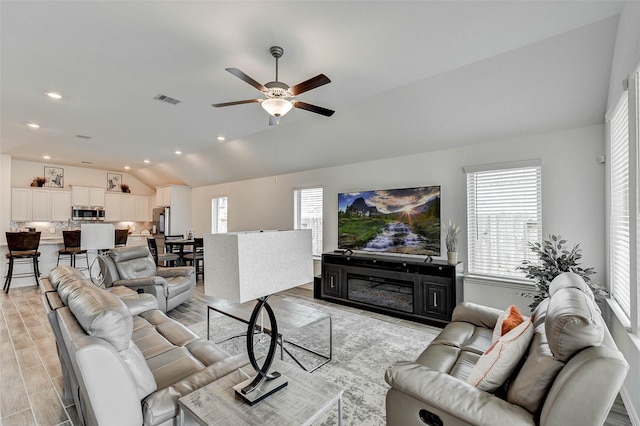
619	314
518	283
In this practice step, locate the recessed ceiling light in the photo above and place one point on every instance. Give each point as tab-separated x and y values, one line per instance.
33	125
46	157
220	138
178	152
53	95
127	167
147	161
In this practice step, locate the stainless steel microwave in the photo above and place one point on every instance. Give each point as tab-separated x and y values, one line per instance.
87	213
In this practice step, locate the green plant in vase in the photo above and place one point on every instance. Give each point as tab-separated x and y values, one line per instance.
554	258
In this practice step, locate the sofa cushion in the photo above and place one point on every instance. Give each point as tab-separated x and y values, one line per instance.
507	321
102	315
59	273
173	331
531	385
496	365
572	323
139	370
162	405
178	285
133	262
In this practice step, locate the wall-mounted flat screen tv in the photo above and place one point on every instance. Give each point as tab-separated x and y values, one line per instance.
403	221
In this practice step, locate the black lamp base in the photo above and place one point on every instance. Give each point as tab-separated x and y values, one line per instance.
263	390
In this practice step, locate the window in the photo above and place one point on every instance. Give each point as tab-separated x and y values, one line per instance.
307	214
619	204
504	213
623	128
219	215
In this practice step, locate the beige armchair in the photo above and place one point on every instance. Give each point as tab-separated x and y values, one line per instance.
135	268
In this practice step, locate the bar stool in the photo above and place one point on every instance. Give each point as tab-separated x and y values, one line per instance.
23	248
167	258
72	248
196	258
121	237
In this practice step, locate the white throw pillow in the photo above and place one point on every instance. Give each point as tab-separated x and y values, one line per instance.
496	365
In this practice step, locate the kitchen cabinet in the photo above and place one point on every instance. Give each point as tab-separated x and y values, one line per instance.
163	196
126	207
20	204
142	211
60	206
86	196
39	204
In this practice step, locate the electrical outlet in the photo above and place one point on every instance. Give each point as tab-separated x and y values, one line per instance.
52	230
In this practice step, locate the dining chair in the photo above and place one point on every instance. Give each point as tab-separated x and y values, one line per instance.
23	248
196	258
72	248
121	237
167	259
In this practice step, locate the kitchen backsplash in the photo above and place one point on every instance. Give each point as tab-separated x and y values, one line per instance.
54	229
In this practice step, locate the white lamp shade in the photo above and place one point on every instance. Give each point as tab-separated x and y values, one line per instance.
277	107
248	265
97	236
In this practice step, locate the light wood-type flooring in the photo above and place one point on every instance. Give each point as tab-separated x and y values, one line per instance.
30	375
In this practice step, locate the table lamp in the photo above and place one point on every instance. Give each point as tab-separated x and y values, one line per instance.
99	237
245	266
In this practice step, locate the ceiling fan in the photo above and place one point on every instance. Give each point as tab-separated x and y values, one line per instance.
278	96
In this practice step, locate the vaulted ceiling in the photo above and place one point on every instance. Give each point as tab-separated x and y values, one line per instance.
407	77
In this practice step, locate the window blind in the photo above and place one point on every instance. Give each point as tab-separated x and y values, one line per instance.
504	213
619	215
307	214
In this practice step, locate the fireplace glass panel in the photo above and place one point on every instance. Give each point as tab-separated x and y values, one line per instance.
383	292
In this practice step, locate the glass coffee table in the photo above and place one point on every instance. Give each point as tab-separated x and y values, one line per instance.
304	400
291	318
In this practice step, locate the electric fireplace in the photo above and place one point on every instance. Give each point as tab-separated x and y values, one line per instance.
384	292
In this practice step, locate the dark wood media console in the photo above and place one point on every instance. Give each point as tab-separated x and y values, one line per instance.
403	287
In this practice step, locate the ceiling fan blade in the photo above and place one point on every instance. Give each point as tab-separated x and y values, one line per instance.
312	83
242	76
313	108
225	104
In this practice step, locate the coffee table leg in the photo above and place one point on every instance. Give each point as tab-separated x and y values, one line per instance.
208	312
340	411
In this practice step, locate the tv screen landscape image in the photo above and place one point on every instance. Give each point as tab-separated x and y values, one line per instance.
403	221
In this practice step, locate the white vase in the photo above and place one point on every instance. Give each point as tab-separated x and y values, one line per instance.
452	257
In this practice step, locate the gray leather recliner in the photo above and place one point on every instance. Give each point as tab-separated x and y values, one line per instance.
570	374
135	268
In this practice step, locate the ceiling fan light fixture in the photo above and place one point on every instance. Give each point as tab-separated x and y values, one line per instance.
276	107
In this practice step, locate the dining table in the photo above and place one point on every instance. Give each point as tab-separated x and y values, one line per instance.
180	244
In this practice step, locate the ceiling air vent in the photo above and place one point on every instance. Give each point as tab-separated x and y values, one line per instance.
87	162
164	98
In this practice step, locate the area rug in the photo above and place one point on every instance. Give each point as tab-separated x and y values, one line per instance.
363	348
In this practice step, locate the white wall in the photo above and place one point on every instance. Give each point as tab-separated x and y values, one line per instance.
23	172
572	188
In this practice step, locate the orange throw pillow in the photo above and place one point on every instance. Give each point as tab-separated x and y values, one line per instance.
512	321
507	321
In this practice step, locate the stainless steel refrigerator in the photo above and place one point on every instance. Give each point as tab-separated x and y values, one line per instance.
161	220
